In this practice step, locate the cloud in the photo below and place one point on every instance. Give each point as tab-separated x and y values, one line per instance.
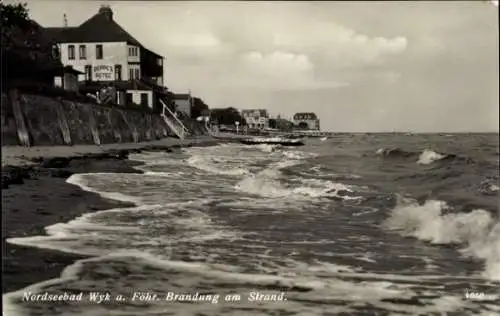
278	62
370	66
196	40
340	47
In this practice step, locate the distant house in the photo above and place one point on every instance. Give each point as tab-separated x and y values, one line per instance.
258	118
183	103
306	120
106	54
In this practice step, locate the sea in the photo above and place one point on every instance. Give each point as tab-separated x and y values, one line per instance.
356	224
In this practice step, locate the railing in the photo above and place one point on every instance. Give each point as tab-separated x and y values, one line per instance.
175	125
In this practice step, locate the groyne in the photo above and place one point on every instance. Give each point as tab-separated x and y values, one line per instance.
35	120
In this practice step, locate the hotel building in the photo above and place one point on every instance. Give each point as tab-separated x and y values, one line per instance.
107	55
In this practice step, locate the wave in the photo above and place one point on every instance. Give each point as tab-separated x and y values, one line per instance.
297	154
478	231
267	183
306	286
80	181
394	152
322	172
215	165
487	187
429	156
268	148
425	157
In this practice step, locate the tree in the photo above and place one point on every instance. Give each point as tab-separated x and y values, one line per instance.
199	108
27	52
227	116
273	123
284	125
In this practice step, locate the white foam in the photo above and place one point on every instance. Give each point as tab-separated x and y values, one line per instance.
80	181
478	230
209	164
428	156
295	154
268	148
194	272
267	184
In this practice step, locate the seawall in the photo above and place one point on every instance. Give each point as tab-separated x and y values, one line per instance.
34	120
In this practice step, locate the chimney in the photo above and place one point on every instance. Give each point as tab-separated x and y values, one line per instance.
65	20
107	12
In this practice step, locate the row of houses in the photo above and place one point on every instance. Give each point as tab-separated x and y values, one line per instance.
260	119
102	59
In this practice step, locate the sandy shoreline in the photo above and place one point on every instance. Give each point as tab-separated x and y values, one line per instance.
36	195
22	156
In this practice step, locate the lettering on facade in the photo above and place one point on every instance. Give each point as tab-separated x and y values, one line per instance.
103	72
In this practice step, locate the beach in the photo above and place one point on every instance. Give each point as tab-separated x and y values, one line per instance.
355	225
36	195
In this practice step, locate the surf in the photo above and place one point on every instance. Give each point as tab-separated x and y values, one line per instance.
434	221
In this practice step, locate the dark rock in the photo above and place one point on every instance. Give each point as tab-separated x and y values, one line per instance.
60	173
58	162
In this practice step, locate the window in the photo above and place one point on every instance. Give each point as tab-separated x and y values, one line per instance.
71	52
130	73
159	61
137	73
88	73
98	51
118	72
82	52
144	99
133	51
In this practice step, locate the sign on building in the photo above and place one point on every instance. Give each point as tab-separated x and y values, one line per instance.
103	72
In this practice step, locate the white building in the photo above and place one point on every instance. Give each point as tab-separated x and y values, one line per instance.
105	53
306	120
258	118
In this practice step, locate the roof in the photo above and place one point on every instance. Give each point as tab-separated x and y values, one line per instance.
248	112
305	116
99	28
182	96
120	85
58	34
150	51
71	70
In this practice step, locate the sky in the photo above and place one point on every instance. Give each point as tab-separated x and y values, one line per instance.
360	66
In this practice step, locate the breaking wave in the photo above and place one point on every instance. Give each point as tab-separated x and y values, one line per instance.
215	165
429	156
268	148
394	152
426	157
478	231
267	183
